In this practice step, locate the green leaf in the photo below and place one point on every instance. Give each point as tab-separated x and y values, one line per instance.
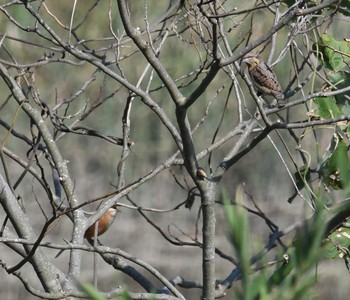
259	287
283	269
302	176
94	294
334	167
339	165
337	244
125	296
348	131
91	291
344	7
336	54
327	108
323	164
237	219
341	80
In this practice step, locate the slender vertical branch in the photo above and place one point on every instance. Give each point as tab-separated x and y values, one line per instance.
208	195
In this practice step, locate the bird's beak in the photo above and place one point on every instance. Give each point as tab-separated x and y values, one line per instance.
116	207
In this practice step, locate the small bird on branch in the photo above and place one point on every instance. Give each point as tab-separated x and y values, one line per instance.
102	224
263	78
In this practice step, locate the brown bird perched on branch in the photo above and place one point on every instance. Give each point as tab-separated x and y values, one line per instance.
263	78
103	223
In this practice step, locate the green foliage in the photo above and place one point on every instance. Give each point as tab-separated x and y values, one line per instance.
302	176
327	107
335	56
124	296
335	53
337	245
237	219
94	294
341	80
293	276
334	167
334	170
344	7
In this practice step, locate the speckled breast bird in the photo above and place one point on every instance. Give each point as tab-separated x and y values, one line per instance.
263	78
103	223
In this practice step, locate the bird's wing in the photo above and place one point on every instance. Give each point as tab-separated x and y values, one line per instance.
265	77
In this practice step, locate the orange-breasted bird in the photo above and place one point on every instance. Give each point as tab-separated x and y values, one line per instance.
263	78
103	223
